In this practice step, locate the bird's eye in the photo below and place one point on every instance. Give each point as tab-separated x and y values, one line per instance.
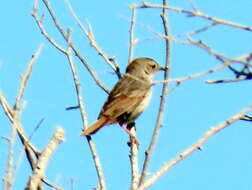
153	66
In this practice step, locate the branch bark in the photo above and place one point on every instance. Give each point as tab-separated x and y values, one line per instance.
39	170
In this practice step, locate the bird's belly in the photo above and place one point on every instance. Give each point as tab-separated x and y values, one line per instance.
140	107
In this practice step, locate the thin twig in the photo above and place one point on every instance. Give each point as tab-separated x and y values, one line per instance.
198	31
50	184
90	35
26	76
226	62
76	51
205	47
149	151
6	107
19	159
42	29
196	75
241	60
131	31
226	80
39	170
16	121
211	132
246	118
197	14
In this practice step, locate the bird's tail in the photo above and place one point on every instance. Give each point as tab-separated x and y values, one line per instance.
95	126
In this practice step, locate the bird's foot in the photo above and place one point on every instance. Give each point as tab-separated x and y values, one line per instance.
133	138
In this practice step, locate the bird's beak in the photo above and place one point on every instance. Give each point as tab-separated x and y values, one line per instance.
164	68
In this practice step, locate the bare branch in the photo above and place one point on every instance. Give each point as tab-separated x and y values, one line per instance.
25	77
96	159
6	107
197	14
13	115
9	171
160	115
196	75
42	29
205	47
200	30
211	132
246	118
134	161
30	156
90	35
55	187
29	148
77	85
76	51
16	122
131	31
226	80
39	170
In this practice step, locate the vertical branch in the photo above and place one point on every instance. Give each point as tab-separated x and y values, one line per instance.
16	126
8	178
25	78
134	165
131	31
77	85
134	147
160	116
92	147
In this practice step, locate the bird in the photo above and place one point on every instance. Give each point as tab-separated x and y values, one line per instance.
129	97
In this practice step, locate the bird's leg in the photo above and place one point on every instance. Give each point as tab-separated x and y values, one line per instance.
132	135
131	125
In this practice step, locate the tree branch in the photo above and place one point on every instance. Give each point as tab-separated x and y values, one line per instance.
65	36
131	31
149	151
211	132
90	35
197	14
80	100
39	170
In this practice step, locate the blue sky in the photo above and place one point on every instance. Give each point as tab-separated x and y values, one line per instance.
191	109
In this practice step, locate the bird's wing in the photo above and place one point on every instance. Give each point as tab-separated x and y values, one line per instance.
125	96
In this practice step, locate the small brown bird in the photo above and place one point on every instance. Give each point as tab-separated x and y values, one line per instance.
129	97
